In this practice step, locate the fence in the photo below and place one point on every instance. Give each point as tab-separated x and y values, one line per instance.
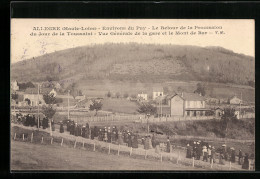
63	139
107	118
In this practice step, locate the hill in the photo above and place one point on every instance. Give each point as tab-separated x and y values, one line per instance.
138	63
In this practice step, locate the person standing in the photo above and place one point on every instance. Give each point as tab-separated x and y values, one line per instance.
205	154
233	155
168	146
188	154
246	162
240	157
61	128
213	155
153	141
84	132
120	138
52	125
209	152
135	142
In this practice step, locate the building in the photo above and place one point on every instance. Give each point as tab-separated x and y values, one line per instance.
85	103
32	95
218	112
142	96
14	86
187	104
157	92
235	100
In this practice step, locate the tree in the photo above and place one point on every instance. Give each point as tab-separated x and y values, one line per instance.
28	101
14	96
126	95
147	109
200	89
109	94
49	99
80	93
227	117
96	106
48	110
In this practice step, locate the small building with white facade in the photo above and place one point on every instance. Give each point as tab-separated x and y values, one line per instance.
142	96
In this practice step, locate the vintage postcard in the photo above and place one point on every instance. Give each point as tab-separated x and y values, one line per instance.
132	94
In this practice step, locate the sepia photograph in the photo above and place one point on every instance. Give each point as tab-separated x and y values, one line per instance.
132	94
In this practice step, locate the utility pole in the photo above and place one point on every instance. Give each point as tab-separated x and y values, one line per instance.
68	105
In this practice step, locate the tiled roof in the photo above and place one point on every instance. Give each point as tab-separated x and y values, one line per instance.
192	97
188	96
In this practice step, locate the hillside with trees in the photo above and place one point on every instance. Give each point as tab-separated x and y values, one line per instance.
139	62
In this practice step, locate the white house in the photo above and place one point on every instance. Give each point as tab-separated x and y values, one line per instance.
157	92
143	96
235	100
32	95
14	86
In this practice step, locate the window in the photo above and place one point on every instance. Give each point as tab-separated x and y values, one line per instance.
188	113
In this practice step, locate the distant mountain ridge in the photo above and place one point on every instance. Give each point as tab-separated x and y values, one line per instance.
138	62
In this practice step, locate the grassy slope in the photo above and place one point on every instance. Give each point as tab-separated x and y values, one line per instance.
136	62
27	156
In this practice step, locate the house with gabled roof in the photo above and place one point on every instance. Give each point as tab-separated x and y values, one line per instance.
157	92
235	100
32	95
187	104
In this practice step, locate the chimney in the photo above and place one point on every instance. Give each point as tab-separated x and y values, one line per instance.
182	94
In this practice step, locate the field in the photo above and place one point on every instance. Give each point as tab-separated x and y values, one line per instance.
216	90
27	156
119	106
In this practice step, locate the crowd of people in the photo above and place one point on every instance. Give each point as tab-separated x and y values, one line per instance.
31	120
207	152
197	149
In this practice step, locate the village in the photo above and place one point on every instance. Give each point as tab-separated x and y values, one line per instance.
180	105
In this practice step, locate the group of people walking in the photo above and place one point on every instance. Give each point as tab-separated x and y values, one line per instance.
200	149
31	120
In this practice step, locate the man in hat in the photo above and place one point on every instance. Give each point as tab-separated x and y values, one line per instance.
83	132
100	138
188	154
205	153
194	148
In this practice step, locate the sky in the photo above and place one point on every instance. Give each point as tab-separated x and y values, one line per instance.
239	35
